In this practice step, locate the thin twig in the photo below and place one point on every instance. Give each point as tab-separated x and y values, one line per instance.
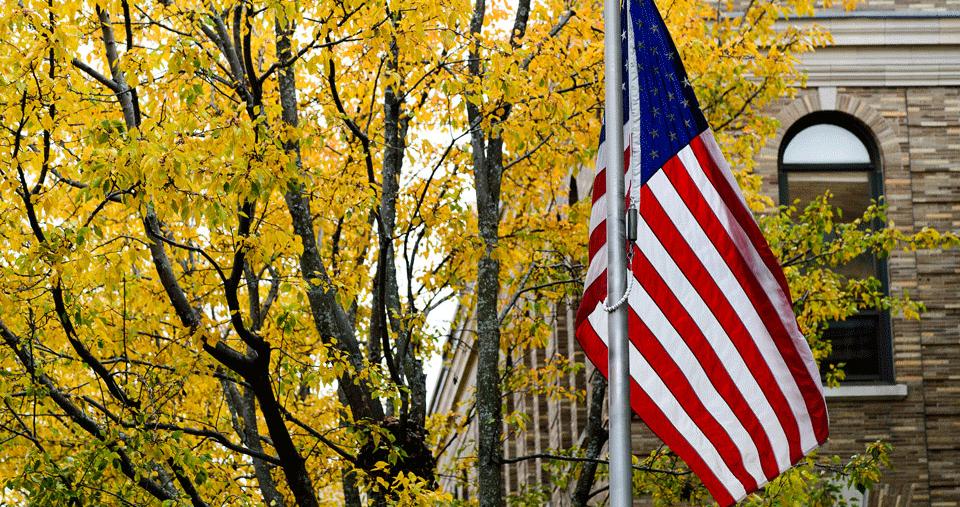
576	459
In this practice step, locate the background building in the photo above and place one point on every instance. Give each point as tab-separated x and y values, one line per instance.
880	117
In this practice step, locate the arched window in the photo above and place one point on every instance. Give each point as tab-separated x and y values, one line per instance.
834	151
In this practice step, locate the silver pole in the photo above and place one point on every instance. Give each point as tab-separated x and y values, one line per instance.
621	470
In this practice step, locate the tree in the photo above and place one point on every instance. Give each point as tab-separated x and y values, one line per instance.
495	64
194	194
217	272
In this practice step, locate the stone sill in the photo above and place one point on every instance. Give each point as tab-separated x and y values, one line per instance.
877	392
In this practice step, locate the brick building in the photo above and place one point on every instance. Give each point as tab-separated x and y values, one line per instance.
882	107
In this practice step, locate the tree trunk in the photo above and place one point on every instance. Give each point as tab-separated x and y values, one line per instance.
351	493
293	464
487	148
489	416
488	166
329	317
596	436
244	408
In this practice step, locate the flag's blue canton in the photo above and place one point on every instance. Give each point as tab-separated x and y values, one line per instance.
669	114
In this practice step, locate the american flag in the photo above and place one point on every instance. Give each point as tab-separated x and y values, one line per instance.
719	369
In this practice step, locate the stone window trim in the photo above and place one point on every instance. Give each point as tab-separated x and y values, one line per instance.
867	392
878	323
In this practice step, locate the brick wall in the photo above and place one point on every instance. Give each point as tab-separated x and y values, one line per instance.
910	5
918	133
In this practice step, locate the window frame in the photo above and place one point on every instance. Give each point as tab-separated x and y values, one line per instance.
874	168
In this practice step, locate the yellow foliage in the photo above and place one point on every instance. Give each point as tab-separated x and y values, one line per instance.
171	135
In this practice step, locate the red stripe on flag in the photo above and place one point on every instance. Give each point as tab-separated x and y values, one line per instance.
600	180
593	346
711	226
743	216
712	295
671	375
599	185
598	238
592	295
680	318
653	417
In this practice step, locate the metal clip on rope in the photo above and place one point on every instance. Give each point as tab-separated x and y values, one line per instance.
631	238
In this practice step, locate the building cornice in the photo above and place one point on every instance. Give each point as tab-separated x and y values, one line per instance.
885	49
878	14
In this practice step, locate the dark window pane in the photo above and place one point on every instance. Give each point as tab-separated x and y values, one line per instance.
851	190
855	339
860	267
855	343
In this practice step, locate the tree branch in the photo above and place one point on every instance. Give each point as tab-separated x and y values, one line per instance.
90	71
575	459
75	414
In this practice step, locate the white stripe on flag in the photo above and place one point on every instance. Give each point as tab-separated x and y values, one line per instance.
746	248
648	380
597	267
598	210
705	250
717	336
683	357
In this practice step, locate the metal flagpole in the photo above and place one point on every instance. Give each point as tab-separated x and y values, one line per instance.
621	470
